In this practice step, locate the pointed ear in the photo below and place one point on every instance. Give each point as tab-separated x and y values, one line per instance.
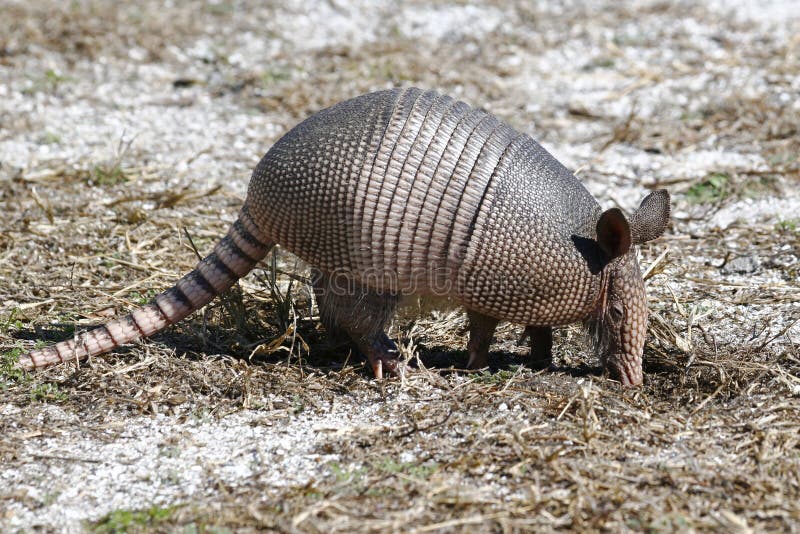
651	219
613	233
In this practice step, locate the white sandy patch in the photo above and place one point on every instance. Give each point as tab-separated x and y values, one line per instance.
163	460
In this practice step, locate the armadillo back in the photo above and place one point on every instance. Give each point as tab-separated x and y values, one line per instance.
410	192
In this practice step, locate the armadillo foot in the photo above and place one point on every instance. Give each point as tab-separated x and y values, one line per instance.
541	338
382	355
481	331
379	364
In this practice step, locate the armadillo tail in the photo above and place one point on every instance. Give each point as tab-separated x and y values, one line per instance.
233	257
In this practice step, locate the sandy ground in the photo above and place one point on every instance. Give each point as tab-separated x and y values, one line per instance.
120	126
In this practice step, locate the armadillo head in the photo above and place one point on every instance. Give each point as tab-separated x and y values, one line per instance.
619	324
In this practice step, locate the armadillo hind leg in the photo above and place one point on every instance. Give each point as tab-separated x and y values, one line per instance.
233	257
541	339
481	331
362	314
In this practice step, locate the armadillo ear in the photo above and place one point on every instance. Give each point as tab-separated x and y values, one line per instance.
613	233
651	219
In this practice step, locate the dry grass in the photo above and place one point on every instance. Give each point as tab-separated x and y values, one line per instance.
709	443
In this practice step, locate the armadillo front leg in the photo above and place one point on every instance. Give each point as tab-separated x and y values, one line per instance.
541	339
481	331
380	351
361	313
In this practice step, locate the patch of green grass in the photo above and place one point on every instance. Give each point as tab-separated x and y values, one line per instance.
142	298
499	378
220	8
169	451
788	225
47	82
49	138
53	79
171	477
692	116
276	75
599	63
13	322
133	520
201	415
347	476
284	300
9	372
713	189
107	175
49	498
629	39
111	172
298	405
108	261
47	392
419	471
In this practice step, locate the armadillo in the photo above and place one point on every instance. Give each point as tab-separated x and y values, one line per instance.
408	192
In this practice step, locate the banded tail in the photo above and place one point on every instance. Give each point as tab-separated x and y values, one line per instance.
233	257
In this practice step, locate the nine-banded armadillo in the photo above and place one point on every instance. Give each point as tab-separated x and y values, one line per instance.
405	192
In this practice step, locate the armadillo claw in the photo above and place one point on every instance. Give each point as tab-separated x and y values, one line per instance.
388	363
382	355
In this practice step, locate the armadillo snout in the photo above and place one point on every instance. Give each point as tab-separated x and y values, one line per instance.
625	369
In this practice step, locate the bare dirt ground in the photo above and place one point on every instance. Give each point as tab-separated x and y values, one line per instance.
124	129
